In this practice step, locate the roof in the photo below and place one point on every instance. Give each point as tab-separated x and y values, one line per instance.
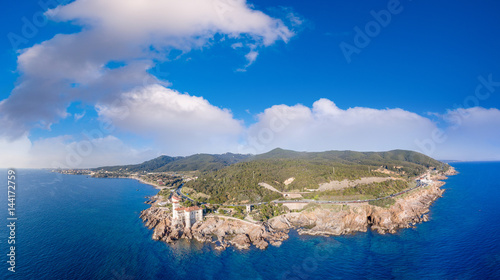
188	209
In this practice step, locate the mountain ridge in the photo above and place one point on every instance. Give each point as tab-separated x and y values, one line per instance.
213	162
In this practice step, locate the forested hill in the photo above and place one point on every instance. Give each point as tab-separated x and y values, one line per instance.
408	161
240	181
200	162
394	157
235	177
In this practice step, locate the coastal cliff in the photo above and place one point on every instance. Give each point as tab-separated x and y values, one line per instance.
221	231
408	210
405	213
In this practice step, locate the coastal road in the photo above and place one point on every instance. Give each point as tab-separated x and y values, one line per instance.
419	185
180	194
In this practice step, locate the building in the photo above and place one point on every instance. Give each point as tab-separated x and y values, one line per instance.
175	199
424	180
249	208
186	215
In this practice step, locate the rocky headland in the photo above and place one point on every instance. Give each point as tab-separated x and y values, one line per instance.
221	231
408	210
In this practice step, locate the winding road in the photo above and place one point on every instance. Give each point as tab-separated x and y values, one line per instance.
419	185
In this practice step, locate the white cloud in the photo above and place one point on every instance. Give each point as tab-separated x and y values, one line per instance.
251	57
65	152
180	124
135	32
470	134
467	134
14	153
237	45
184	19
79	116
327	127
294	19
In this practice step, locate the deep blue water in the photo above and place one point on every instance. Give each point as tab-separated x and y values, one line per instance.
75	227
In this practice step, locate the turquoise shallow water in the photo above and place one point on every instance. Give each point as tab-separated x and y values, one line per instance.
75	227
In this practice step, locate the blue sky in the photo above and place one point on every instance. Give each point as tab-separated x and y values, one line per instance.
417	77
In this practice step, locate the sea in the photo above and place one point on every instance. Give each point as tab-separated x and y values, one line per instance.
77	227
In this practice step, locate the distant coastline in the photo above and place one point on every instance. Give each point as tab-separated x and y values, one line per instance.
147	183
244	200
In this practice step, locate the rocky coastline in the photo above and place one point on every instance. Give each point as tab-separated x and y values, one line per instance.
220	231
408	210
405	213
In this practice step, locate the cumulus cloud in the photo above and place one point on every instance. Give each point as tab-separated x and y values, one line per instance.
179	123
15	153
182	20
66	152
468	134
136	33
461	134
327	127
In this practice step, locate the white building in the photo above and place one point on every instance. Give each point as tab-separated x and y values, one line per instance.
187	215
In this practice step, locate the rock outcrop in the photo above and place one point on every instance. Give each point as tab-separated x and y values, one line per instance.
408	210
221	231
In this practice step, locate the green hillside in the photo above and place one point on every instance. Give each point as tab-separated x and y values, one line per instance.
235	178
147	166
200	162
367	158
239	181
